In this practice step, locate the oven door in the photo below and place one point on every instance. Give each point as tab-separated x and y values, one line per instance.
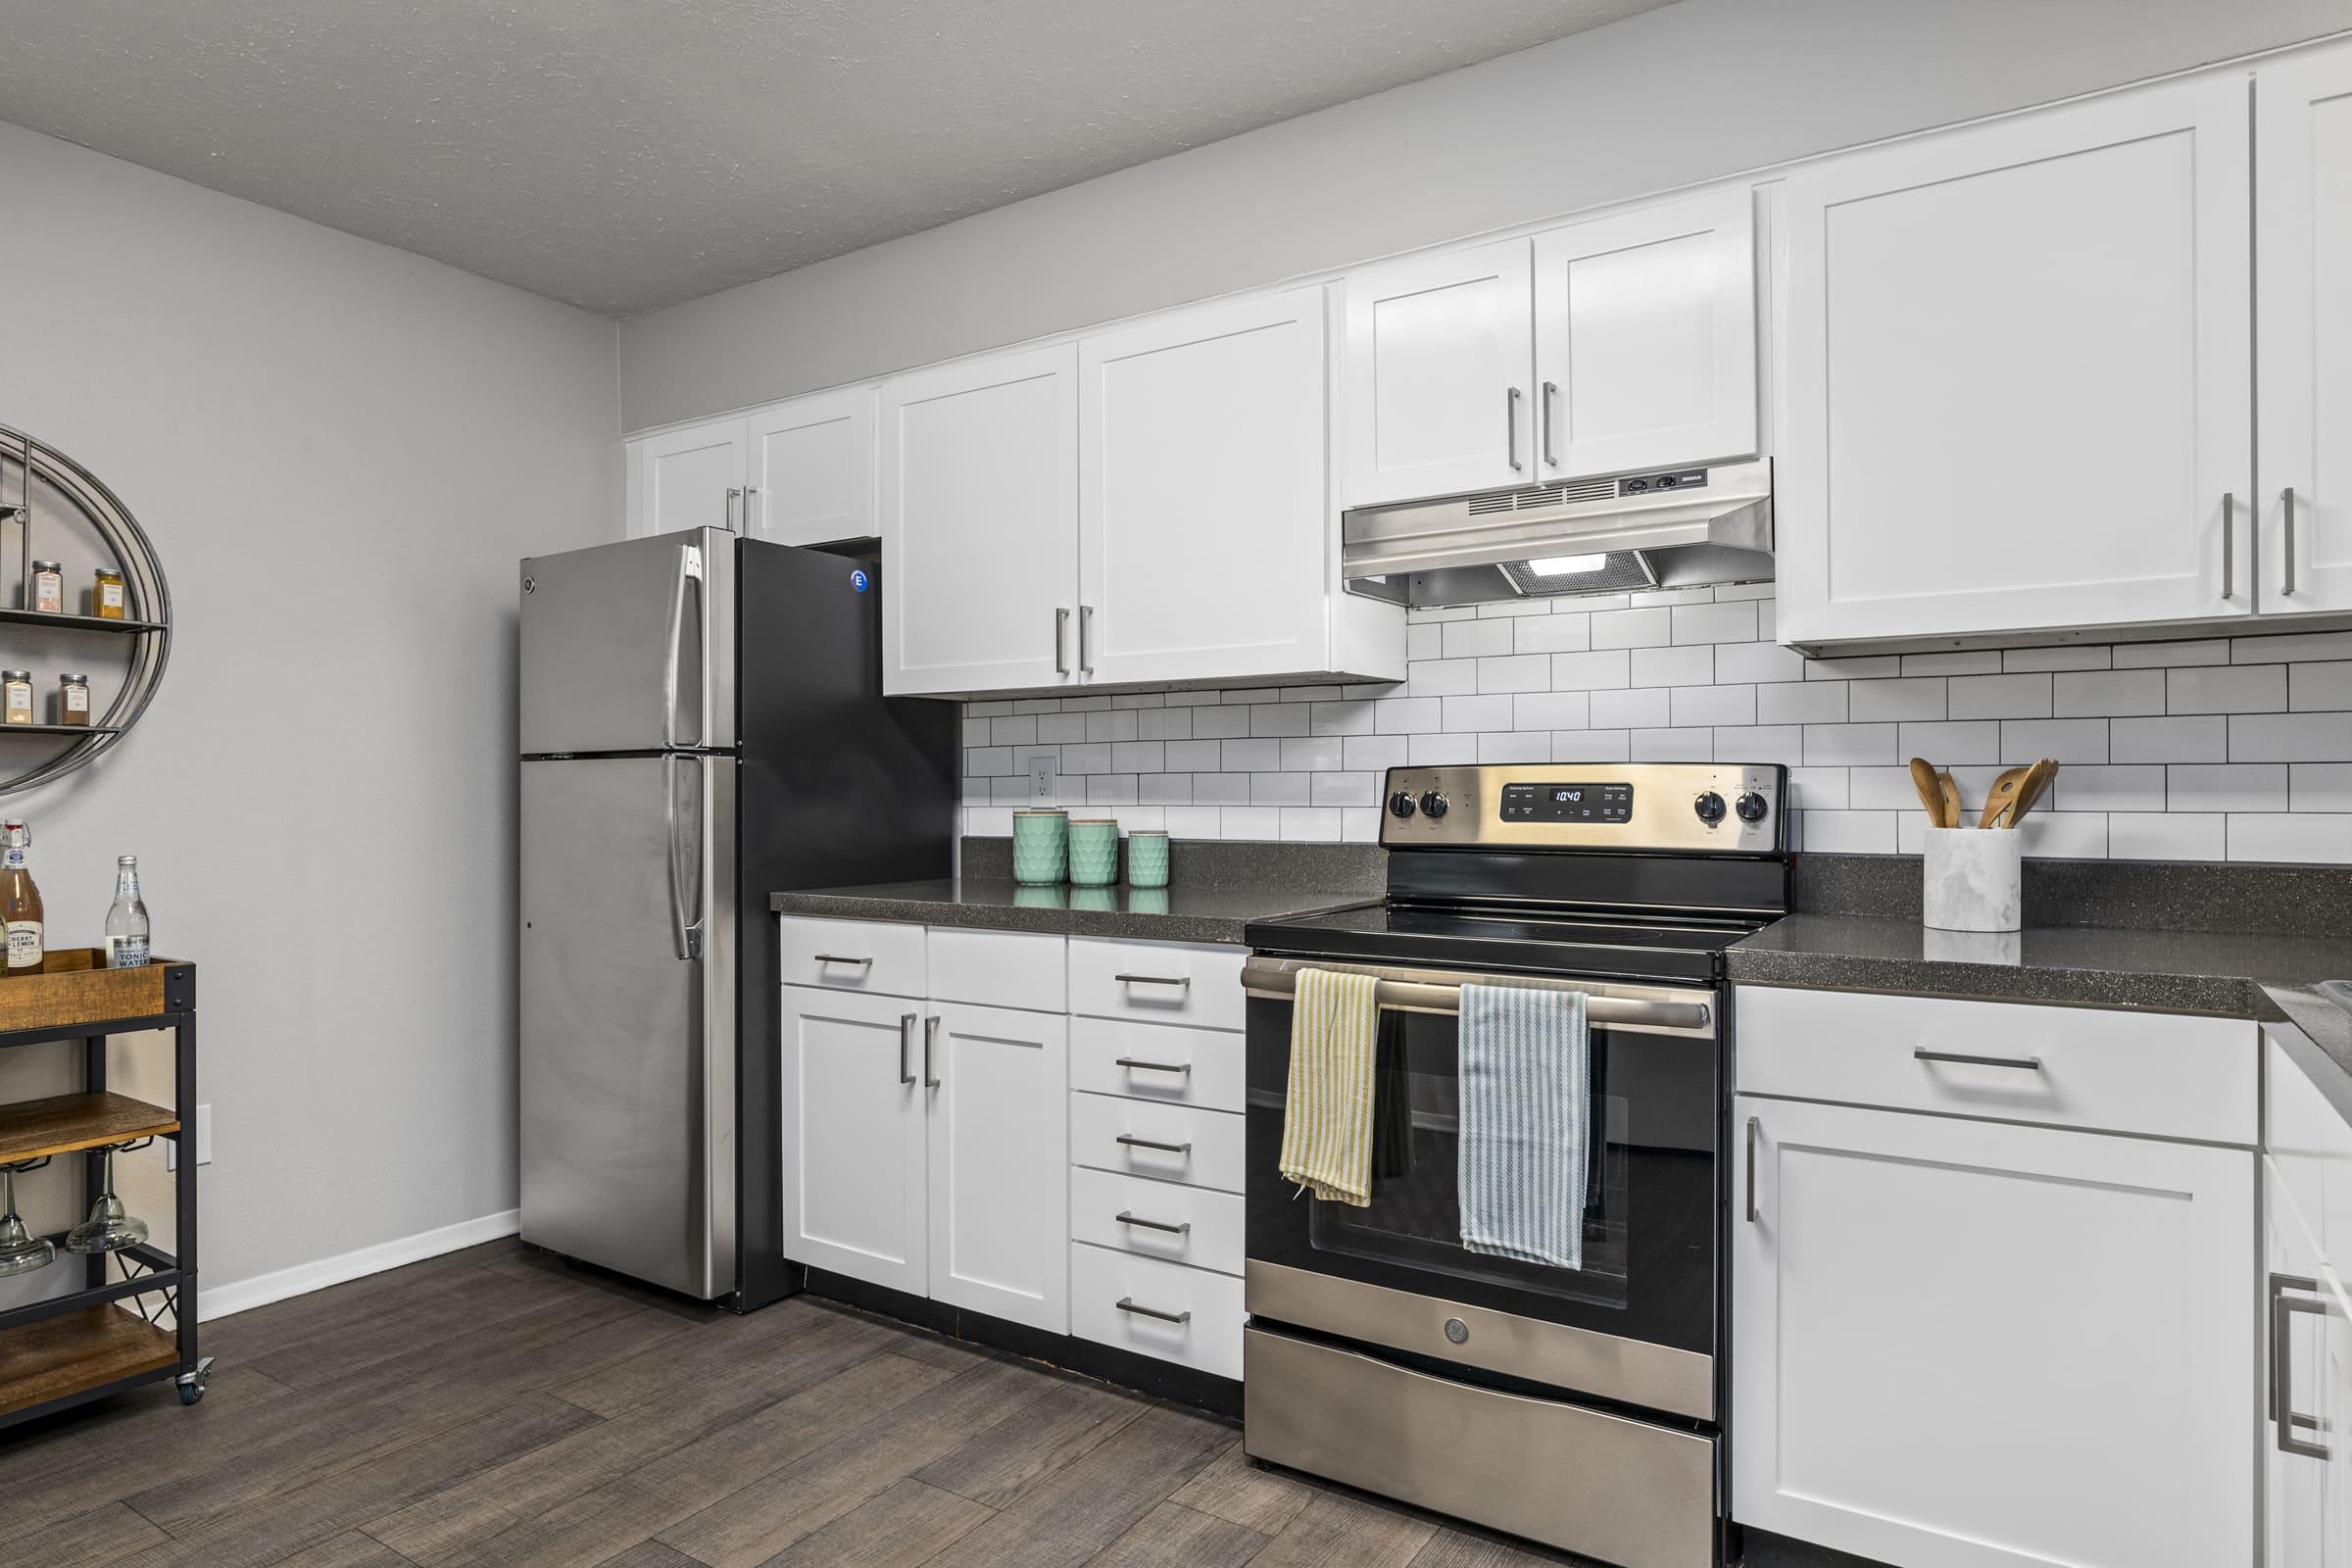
1635	1324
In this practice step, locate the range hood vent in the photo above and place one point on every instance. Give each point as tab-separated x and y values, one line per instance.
1674	527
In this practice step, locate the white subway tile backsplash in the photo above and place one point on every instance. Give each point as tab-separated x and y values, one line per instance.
2182	749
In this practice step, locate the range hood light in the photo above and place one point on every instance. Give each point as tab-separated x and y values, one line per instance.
1566	565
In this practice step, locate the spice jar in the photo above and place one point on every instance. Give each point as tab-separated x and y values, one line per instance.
48	588
73	700
106	595
15	695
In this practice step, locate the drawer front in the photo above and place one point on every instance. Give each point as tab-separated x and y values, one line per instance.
877	957
1159	1061
1161	1219
2162	1074
1160	982
1170	1142
1209	1337
998	969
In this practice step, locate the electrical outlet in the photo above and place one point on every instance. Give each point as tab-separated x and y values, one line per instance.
204	1141
1042	778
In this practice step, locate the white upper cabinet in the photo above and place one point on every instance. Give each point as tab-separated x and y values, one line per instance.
2303	205
980	524
1439	373
810	479
1204	527
1645	338
2019	373
690	479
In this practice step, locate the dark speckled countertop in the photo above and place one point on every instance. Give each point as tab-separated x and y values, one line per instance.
1141	914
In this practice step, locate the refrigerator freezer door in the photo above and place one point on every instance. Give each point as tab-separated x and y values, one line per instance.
631	646
628	1049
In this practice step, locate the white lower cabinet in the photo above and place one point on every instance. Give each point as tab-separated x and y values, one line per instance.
856	1198
1165	1310
997	1158
1963	1343
2301	1476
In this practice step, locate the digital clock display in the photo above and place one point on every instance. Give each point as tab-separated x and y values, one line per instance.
1568	802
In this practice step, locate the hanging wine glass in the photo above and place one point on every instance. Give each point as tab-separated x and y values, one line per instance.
20	1252
110	1228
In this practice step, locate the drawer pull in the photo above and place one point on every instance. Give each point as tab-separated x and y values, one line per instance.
1127	1304
1133	1142
1183	1228
1141	1065
2022	1063
1180	981
835	958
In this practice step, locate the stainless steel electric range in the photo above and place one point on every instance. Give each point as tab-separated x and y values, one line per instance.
1584	1408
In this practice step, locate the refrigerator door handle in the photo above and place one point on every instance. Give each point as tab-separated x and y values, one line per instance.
686	864
689	570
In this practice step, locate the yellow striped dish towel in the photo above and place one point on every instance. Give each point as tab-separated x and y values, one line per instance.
1327	1117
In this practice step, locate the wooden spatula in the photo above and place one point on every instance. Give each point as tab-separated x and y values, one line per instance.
2037	782
1951	816
2002	796
1930	784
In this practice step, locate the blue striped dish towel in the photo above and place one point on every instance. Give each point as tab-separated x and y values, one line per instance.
1525	1102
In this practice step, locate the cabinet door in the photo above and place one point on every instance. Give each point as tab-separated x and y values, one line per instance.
690	479
997	1081
2019	374
980	524
1645	338
2303	242
1203	534
1439	369
2297	1486
854	1197
812	469
1963	1345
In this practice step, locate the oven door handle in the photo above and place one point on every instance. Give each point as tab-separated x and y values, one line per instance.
1277	981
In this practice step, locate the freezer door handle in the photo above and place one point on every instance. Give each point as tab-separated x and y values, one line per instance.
686	857
690	570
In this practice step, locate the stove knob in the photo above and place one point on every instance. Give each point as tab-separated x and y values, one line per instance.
1433	805
1709	808
1751	807
1400	804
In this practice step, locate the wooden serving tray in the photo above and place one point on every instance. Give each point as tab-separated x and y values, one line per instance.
74	986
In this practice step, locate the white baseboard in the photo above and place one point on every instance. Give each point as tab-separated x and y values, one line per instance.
222	1301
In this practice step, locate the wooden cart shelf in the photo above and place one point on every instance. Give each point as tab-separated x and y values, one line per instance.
65	1123
78	1351
73	990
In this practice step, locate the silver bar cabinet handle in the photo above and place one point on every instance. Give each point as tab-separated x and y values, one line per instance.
1125	1218
1510	427
1543	423
1139	1066
2284	1413
751	493
835	958
1086	621
1061	628
1127	1304
905	1036
930	1033
2021	1063
733	510
1133	1142
1179	980
1752	1169
2229	545
2288	495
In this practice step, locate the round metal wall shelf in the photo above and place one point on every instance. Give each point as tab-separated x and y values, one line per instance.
54	491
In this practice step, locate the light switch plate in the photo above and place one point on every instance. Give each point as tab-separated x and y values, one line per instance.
1043	782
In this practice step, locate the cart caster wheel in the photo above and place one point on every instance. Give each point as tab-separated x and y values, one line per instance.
190	1392
191	1386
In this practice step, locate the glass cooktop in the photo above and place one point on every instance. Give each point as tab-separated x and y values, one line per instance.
1664	945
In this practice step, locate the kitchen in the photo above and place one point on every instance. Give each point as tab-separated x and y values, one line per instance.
911	777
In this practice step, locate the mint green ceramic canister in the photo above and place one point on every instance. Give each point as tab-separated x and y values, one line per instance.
1148	858
1093	852
1041	846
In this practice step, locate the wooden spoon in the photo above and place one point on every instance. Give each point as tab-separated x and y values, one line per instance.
2037	784
1930	785
1951	816
2002	796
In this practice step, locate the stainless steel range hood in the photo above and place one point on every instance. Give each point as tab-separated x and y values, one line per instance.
1666	527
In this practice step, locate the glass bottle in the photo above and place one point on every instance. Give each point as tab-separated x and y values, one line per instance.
73	700
15	695
48	588
20	901
106	595
126	919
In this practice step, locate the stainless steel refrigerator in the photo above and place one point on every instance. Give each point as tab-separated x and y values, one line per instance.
702	724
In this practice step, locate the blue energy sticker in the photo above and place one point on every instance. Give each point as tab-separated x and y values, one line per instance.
859	580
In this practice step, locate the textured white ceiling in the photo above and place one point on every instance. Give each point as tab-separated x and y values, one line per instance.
627	154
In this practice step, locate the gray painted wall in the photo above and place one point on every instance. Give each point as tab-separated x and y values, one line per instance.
1687	93
340	451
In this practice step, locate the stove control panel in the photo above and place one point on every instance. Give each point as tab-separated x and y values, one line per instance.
1668	807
